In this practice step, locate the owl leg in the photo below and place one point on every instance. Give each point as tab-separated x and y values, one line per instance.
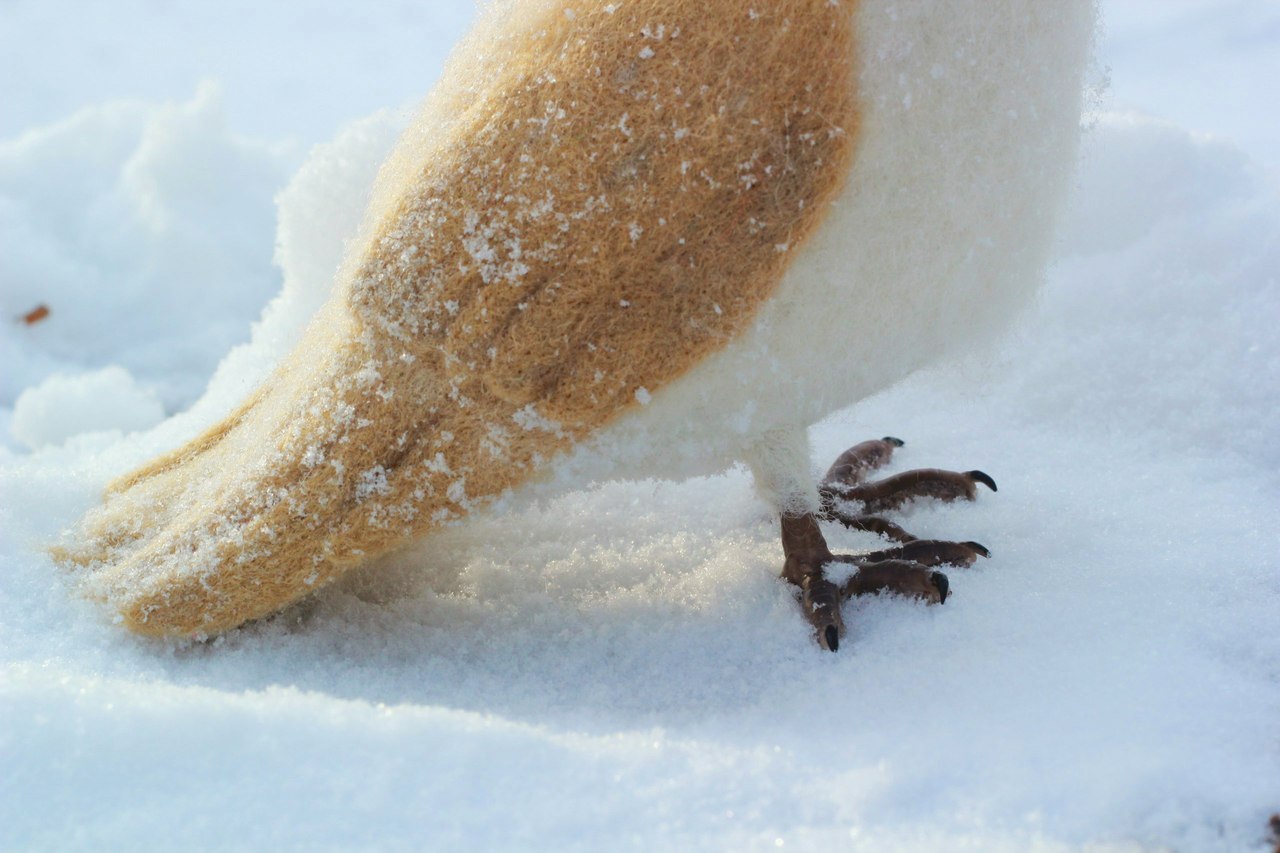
779	462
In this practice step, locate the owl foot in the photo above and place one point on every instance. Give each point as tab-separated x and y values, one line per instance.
823	579
814	570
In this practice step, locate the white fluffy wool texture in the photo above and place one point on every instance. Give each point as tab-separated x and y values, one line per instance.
779	463
970	116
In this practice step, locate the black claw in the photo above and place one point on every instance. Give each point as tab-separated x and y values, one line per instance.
978	548
833	638
979	477
943	585
896	442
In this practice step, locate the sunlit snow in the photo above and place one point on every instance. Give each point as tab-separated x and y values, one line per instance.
620	668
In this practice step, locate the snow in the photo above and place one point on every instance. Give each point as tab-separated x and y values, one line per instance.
64	406
619	667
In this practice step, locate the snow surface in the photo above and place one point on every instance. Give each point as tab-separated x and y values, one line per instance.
620	668
64	406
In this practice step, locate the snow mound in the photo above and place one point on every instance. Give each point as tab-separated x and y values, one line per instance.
64	406
147	230
318	215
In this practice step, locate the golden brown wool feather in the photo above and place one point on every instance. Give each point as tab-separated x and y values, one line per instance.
614	202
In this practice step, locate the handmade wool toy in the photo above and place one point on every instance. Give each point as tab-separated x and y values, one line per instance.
642	237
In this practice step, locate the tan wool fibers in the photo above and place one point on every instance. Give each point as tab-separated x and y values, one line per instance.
612	201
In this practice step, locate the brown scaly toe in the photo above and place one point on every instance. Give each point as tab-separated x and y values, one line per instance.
901	577
893	492
931	552
844	479
846	498
832	511
852	465
807	554
807	557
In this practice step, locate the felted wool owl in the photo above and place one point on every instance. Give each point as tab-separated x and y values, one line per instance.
641	237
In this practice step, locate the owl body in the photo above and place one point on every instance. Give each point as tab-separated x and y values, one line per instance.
968	126
643	238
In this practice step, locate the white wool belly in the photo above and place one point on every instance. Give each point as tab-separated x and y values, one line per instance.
970	120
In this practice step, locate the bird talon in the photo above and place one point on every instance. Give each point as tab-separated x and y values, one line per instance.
984	479
941	583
